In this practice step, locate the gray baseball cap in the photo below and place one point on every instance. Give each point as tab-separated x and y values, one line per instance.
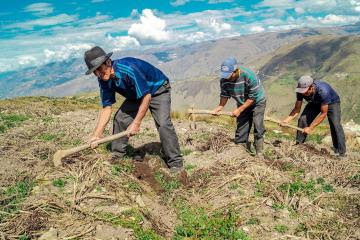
304	83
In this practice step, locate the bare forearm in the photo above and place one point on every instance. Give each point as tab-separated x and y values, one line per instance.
318	120
144	106
103	120
246	104
293	114
223	101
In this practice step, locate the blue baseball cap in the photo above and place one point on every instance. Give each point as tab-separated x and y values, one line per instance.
228	67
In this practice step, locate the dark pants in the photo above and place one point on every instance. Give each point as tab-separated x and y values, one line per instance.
160	110
253	114
311	111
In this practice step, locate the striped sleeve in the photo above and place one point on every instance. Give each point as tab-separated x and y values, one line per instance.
223	91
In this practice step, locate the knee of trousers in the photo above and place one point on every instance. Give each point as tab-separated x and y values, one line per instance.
302	121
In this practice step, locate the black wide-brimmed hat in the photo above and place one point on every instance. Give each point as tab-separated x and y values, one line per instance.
94	58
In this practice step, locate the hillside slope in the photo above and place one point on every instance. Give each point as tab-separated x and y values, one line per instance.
295	192
333	59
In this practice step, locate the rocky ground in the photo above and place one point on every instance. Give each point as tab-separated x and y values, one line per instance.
294	192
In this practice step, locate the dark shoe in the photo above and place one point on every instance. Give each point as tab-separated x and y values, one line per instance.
259	147
138	158
342	155
116	158
246	146
175	170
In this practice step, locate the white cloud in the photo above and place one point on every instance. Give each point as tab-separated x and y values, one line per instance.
219	1
257	29
39	9
213	24
151	29
26	59
122	42
177	3
46	21
338	19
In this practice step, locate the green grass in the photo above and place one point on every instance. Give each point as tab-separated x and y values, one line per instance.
134	187
24	237
186	151
280	228
132	219
195	223
47	137
8	121
59	182
259	188
190	167
167	184
253	221
13	196
300	186
278	206
124	166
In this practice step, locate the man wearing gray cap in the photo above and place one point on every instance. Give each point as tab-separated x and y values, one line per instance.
322	101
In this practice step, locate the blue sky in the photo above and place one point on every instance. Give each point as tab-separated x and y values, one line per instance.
33	33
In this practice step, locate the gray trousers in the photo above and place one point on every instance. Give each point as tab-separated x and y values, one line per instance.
160	110
311	111
253	114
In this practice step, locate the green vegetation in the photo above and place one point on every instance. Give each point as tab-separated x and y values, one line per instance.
186	151
278	206
8	121
259	188
253	221
125	166
24	237
47	137
134	187
59	182
190	167
167	184
13	196
280	228
300	186
197	224
132	219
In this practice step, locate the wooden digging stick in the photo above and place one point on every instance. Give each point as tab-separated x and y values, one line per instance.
60	154
202	111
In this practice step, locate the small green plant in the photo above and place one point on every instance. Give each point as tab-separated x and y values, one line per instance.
259	188
13	196
59	182
186	151
47	119
167	184
134	187
278	206
288	166
195	223
47	137
24	237
124	166
190	167
253	221
8	121
280	228
132	219
234	186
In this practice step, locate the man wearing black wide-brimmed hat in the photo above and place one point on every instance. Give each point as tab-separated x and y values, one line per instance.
144	87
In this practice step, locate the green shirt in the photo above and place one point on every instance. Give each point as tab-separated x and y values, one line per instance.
247	86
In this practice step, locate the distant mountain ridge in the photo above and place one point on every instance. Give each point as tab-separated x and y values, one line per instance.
188	62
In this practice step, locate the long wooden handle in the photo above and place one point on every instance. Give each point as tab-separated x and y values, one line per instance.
202	111
285	125
60	154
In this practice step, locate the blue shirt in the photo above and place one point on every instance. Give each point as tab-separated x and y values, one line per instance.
324	94
134	79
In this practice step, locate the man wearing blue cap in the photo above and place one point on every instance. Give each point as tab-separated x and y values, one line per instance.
144	87
322	101
244	86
